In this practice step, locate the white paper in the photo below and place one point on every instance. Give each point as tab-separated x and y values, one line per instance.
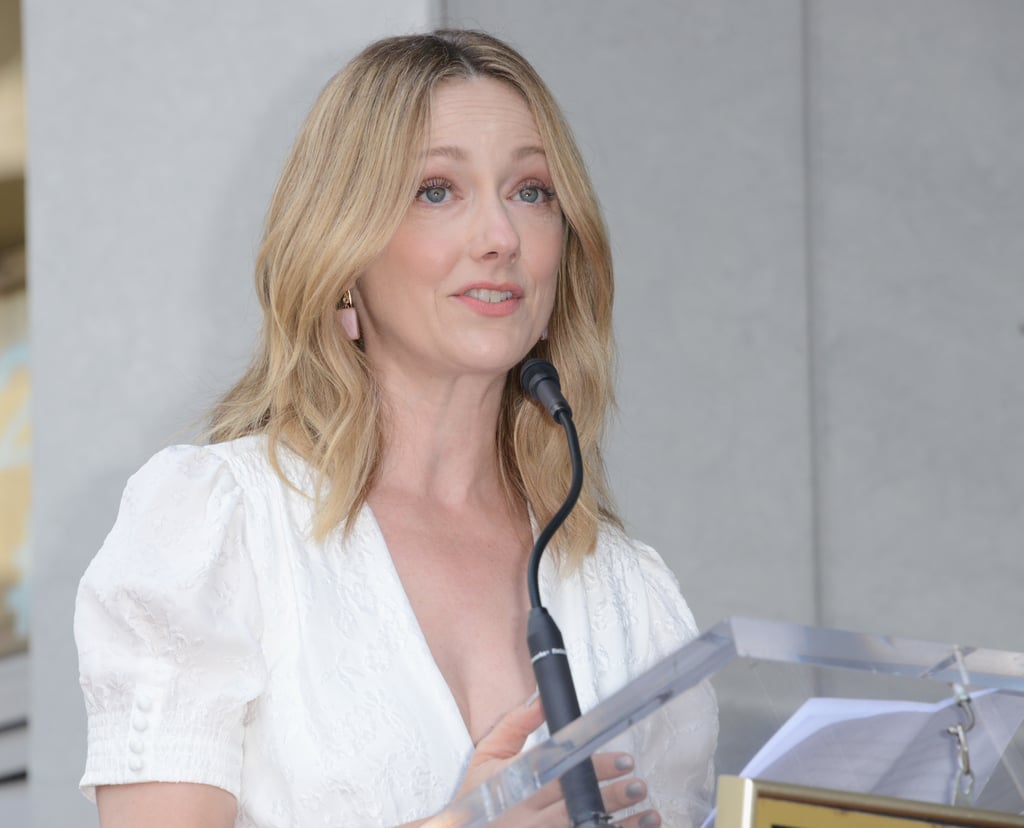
888	748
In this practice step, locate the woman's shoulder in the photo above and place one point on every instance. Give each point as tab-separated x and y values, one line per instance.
620	611
191	461
640	578
248	464
187	500
619	554
614	544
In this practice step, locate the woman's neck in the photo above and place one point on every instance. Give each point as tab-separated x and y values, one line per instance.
441	441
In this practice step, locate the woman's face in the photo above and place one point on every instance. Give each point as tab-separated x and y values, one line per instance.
467	283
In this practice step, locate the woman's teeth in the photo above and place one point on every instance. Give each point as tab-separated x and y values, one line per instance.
492	296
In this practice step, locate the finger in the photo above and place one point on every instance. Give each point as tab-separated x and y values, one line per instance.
607	766
506	738
617	796
555	815
612	765
645	819
504	741
623	794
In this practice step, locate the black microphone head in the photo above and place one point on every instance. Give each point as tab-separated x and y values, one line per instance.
535	371
539	381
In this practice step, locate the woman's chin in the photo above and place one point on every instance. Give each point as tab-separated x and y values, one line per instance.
484	354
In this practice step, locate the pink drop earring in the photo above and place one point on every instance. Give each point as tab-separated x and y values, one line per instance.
348	317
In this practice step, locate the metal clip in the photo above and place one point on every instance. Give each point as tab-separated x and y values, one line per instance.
963	781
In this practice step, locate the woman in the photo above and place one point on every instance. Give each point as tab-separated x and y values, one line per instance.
319	619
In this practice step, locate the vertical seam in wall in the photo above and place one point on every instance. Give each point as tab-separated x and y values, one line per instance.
810	299
442	14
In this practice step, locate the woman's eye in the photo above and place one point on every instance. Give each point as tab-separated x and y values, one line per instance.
534	194
434	193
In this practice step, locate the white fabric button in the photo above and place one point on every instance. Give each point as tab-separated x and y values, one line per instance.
144	703
140	723
136	746
135	763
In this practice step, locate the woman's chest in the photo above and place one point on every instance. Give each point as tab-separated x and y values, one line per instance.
464	580
355	718
359	715
476	635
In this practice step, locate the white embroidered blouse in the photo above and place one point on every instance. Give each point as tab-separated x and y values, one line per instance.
219	644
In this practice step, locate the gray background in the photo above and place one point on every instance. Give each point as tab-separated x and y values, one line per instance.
817	212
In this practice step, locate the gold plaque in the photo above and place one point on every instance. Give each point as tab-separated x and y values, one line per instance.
749	803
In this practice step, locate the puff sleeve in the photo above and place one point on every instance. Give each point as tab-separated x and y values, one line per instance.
168	625
676	744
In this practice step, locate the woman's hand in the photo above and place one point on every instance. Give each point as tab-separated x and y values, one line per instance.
546	808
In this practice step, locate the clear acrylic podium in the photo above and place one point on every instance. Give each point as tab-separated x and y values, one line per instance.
846	723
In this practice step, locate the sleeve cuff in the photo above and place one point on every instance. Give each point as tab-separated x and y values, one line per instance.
152	742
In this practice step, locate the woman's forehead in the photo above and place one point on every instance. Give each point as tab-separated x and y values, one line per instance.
480	108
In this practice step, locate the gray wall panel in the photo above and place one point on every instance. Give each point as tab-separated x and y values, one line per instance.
918	183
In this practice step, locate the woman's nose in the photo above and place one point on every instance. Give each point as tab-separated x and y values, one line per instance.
495	234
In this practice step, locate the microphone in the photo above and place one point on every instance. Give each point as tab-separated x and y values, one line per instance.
539	380
580	790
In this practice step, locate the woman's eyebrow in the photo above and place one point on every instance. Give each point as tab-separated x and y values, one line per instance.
459	154
527	151
455	153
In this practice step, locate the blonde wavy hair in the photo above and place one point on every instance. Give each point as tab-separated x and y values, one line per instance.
344	190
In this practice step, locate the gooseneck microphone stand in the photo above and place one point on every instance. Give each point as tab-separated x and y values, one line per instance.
547	650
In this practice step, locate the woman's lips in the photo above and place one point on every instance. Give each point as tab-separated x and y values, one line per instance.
490	299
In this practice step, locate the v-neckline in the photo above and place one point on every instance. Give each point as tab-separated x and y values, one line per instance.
426	655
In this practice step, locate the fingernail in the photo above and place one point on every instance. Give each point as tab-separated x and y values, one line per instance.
624	762
533	697
650	820
635	790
